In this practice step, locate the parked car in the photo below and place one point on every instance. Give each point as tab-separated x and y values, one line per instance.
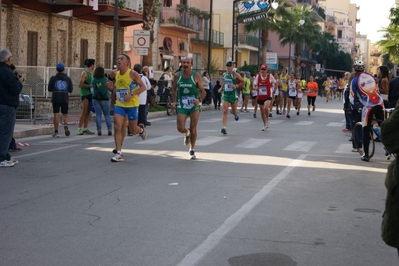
26	107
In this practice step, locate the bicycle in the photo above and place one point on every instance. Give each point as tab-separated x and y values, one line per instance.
165	99
358	137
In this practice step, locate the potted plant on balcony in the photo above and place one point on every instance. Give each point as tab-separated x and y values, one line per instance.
173	20
140	8
181	7
122	4
205	15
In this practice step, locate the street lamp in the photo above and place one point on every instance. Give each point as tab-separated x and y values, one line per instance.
301	22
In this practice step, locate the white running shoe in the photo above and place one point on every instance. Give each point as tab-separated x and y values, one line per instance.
118	158
192	154
264	128
6	163
267	124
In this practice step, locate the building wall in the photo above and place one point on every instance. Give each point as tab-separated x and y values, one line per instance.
58	37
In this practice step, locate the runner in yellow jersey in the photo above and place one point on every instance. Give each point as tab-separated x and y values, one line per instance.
283	92
128	85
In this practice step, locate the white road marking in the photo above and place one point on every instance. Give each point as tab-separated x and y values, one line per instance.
344	148
195	256
209	140
333	124
275	122
253	143
69	139
304	123
161	139
40	152
300	146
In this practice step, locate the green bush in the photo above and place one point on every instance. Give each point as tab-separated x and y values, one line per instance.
157	108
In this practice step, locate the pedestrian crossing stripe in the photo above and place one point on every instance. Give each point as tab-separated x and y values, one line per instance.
209	140
304	146
253	143
335	124
161	139
304	123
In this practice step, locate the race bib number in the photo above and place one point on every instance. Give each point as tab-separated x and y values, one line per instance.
292	92
262	90
188	101
311	91
228	86
120	95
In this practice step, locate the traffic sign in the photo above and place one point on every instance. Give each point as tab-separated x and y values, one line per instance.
141	51
141	39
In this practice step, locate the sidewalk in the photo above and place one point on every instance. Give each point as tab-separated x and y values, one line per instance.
44	123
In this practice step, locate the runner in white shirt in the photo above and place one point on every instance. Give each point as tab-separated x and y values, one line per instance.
293	86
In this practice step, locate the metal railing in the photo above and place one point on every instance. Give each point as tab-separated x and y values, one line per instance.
249	40
134	5
217	36
181	18
36	79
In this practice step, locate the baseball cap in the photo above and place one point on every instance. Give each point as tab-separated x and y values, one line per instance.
60	67
263	66
229	63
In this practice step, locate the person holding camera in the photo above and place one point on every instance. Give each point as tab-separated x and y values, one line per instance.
10	88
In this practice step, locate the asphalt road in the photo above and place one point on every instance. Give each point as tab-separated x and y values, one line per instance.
293	195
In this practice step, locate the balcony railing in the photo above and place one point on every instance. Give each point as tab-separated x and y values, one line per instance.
248	40
217	37
319	11
181	19
304	2
134	5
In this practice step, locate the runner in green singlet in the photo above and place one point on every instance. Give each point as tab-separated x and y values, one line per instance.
231	82
187	94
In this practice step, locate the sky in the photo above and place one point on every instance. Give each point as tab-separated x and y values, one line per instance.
373	16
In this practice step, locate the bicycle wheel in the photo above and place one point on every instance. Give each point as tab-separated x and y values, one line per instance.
169	110
358	137
371	145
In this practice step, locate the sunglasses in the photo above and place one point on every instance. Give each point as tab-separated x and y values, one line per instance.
263	69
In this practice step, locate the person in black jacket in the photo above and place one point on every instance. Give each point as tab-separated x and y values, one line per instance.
393	94
60	85
10	88
347	107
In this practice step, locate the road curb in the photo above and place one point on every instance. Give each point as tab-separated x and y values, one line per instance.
24	131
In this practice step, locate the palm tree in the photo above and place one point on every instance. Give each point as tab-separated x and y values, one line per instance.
268	24
390	44
327	47
291	31
150	13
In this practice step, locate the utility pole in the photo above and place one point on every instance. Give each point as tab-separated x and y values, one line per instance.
210	37
115	50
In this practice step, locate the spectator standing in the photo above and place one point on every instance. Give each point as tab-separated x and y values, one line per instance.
85	82
60	85
101	99
393	94
142	119
347	108
145	72
205	84
217	96
383	82
10	88
13	146
390	139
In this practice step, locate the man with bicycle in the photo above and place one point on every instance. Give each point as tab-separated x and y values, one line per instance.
364	90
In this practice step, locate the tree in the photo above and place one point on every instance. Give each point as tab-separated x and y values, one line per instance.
150	13
327	47
268	23
291	31
390	43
